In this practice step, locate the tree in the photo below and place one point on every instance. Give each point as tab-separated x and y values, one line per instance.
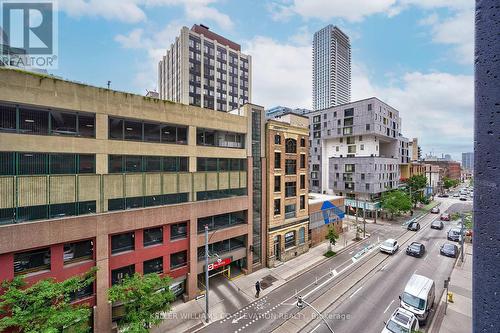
449	183
332	237
44	306
396	202
415	186
145	298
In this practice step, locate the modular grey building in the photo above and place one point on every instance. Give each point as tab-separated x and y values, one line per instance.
204	69
331	68
468	161
356	150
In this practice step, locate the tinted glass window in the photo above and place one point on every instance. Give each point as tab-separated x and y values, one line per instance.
153	266
169	134
122	242
62	164
178	259
117	275
182	135
86	163
183	164
152	163
62	210
78	251
178	230
32	261
153	236
152	132
133	163
115	163
33	164
7	163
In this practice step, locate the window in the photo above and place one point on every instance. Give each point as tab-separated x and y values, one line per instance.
367	187
369	107
33	121
122	243
277	206
367	127
302	182
277	183
350	140
78	251
290	145
302	142
290	167
361	147
153	236
32	261
336	148
153	266
277	160
302	235
290	189
349	112
290	211
289	239
277	139
178	259
317	119
208	137
302	202
7	118
360	138
362	176
348	121
220	164
315	183
178	231
351	149
347	130
117	275
350	168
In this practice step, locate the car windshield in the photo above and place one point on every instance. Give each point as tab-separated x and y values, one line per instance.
413	301
388	243
394	327
448	247
415	247
413	225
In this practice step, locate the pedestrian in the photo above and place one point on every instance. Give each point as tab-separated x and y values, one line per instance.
411	212
257	289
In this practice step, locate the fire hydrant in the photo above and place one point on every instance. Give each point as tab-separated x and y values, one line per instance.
450	297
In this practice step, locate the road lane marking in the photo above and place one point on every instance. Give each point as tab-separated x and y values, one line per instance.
388	306
354	293
384	267
314	329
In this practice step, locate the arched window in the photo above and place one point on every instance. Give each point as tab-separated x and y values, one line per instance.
302	235
291	145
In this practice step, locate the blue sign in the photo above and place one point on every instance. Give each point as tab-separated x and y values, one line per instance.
331	213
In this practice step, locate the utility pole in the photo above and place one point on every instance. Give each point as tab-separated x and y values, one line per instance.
364	219
206	273
357	234
462	229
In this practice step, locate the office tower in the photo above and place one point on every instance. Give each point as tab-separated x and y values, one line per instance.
468	161
331	68
202	68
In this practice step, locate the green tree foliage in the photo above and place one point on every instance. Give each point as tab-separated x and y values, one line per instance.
44	306
396	202
416	184
449	183
145	298
332	236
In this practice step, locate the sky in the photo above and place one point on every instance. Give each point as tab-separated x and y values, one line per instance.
416	55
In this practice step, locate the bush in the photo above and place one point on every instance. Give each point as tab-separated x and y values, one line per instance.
329	254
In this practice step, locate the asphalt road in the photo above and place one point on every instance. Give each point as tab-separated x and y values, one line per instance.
372	300
276	307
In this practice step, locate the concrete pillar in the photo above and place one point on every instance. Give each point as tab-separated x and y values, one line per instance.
486	237
192	276
103	308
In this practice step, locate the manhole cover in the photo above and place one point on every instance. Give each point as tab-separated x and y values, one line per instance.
267	281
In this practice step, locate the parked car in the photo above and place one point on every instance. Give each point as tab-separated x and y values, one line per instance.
445	217
415	249
449	250
455	234
435	210
446	195
389	246
437	224
418	297
401	320
414	226
463	198
456	195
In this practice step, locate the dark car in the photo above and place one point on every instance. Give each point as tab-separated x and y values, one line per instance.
414	226
445	217
446	195
415	249
455	234
449	250
437	224
435	210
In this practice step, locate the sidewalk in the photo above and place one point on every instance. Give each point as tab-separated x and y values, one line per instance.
458	317
227	296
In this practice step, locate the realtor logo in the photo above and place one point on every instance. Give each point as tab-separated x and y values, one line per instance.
29	33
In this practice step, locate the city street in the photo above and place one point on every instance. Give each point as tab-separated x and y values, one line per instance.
372	299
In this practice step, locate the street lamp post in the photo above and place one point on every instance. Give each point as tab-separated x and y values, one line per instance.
206	273
300	305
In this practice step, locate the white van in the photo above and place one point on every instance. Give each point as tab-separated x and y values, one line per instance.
418	297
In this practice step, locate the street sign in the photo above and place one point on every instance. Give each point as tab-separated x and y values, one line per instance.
219	263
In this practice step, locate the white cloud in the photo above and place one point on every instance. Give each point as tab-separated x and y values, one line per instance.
131	11
281	73
327	9
457	31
